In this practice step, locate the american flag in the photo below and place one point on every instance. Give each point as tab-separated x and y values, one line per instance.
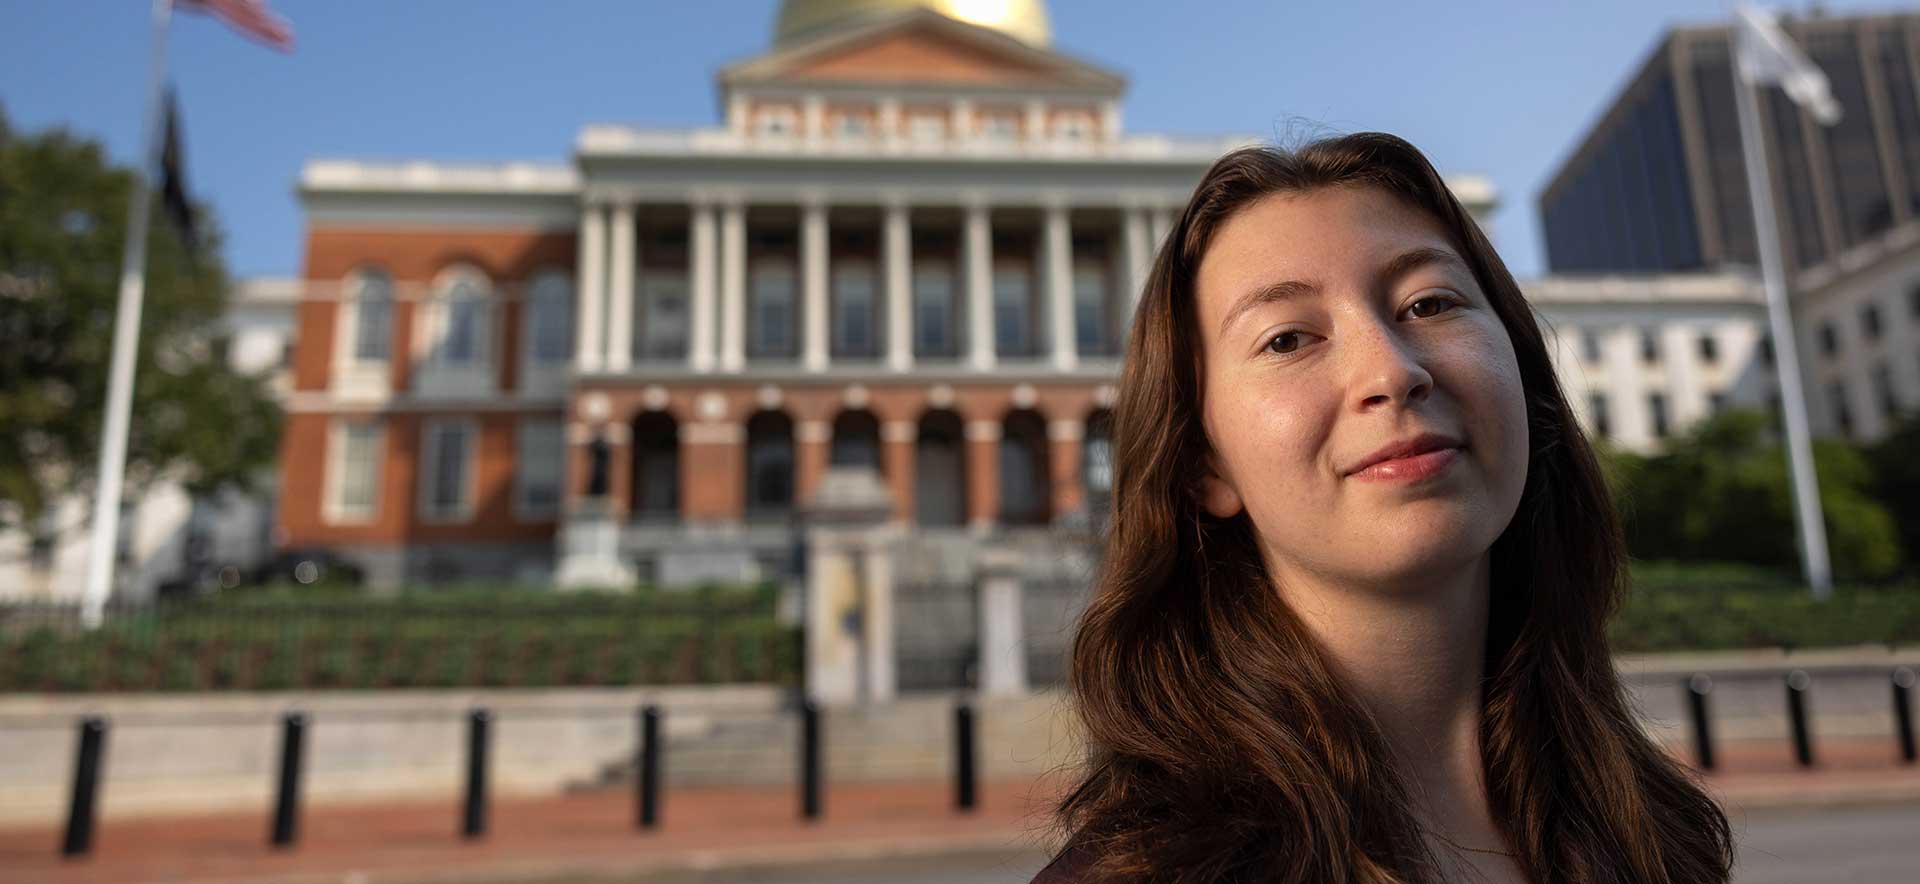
249	17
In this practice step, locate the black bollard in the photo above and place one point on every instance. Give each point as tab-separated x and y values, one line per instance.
1903	711
474	821
963	756
86	786
647	768
1699	687
286	805
1797	684
809	761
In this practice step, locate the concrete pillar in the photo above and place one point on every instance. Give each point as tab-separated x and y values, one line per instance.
1162	221
832	620
589	339
625	266
700	247
983	474
977	255
876	621
1680	354
1003	646
897	257
1059	286
733	287
1138	253
813	286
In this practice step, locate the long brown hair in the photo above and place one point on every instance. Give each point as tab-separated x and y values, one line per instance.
1222	746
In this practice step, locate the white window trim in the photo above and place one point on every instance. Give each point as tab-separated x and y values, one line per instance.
429	465
435	378
355	378
333	511
523	510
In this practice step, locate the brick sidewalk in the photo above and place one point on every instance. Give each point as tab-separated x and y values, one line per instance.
591	835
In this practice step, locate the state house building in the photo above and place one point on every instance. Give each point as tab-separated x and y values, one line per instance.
913	245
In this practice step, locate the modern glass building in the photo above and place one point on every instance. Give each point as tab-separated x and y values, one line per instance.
1658	183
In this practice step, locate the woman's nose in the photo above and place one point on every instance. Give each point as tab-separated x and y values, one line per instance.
1387	368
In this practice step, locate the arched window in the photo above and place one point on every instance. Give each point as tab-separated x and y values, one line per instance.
769	465
1096	457
856	440
549	322
940	470
460	319
1024	480
370	291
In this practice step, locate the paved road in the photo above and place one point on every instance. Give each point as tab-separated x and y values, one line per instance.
1837	845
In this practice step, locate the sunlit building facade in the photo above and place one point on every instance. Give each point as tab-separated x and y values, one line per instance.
912	244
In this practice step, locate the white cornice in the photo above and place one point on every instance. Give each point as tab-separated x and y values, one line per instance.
602	141
503	179
1677	288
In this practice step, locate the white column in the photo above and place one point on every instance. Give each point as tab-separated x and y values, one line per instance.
813	119
889	120
978	256
733	287
962	122
1162	225
700	255
813	286
897	254
589	341
1679	350
1059	278
877	622
1139	256
1003	646
625	261
1036	124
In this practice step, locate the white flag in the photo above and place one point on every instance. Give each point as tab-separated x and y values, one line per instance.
1768	56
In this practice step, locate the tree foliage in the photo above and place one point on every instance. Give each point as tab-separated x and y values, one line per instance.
1722	492
63	208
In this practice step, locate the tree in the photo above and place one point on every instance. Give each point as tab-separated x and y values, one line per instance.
1723	493
1896	482
63	209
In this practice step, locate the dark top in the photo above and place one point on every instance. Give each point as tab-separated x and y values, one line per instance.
1069	866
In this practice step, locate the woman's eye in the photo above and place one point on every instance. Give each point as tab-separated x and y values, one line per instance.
1431	306
1284	342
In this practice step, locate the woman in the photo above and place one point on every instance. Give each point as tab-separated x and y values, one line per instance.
1350	623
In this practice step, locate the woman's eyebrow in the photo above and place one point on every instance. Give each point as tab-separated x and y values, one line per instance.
1267	294
1413	259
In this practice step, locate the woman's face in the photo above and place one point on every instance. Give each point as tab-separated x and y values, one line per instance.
1339	327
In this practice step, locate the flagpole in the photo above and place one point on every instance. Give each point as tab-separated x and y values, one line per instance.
126	340
1786	352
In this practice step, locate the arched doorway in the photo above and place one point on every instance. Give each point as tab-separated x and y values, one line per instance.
769	485
940	470
656	467
1025	483
856	440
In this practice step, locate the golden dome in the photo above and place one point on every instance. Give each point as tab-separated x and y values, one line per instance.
1023	19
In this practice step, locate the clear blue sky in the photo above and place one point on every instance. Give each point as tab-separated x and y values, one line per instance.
1499	87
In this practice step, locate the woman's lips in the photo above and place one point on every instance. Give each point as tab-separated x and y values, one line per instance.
1410	469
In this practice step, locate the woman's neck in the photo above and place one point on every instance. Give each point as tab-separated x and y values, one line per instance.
1414	655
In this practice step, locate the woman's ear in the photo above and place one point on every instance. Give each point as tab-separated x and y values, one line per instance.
1219	496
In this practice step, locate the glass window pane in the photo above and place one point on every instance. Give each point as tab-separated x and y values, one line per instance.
853	304
373	318
1012	308
933	299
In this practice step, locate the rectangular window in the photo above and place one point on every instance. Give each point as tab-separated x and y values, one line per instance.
1716	402
1829	339
1766	349
1870	321
1649	347
927	127
446	470
1842	416
1913	302
663	293
1090	321
854	309
538	458
354	487
933	300
1590	346
773	308
1709	348
1657	414
1013	308
1597	410
550	319
1883	391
